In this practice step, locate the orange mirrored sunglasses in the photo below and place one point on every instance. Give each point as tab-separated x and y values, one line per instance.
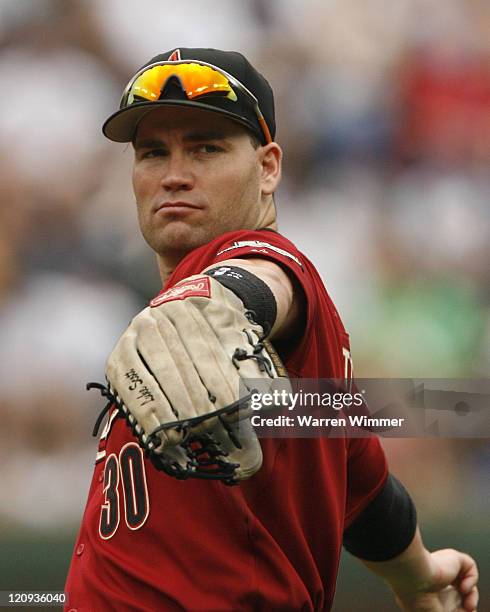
196	78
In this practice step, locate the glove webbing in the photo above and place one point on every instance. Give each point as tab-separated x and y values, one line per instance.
204	454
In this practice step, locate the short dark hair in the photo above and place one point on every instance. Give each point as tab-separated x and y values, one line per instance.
254	139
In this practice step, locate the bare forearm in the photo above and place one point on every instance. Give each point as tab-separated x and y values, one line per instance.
411	571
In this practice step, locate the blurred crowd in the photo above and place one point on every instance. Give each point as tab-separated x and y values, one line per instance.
383	111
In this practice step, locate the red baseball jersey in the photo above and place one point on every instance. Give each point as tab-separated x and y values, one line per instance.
273	542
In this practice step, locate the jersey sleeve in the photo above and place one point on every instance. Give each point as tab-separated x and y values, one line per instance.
367	471
275	247
269	245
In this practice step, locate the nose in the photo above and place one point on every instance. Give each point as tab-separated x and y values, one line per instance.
177	175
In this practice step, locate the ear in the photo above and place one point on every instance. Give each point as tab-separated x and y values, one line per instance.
270	157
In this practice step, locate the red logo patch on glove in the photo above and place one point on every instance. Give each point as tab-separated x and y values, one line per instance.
199	287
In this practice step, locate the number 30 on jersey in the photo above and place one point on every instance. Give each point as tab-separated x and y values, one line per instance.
125	473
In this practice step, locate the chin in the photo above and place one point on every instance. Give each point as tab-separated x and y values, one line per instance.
181	240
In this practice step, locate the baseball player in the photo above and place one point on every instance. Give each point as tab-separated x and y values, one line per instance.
187	509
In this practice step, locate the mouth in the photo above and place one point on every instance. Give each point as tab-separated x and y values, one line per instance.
178	206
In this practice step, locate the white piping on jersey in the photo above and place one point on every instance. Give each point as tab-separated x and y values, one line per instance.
259	244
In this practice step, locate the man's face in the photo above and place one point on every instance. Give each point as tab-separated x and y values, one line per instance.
196	175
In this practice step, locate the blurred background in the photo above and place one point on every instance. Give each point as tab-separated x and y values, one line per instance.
383	111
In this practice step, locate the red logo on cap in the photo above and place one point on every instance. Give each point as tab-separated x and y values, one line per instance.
175	56
198	287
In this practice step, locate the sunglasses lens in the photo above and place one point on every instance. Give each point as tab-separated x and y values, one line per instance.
196	80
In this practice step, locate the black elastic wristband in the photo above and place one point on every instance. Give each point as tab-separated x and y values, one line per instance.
254	293
386	527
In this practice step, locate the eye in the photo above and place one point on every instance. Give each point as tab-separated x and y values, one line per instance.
150	153
208	148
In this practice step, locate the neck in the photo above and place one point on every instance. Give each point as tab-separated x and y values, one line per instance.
268	219
167	264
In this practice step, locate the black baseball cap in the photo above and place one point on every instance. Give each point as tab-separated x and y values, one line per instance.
121	125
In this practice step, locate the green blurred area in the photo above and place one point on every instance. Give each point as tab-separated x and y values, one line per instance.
34	562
